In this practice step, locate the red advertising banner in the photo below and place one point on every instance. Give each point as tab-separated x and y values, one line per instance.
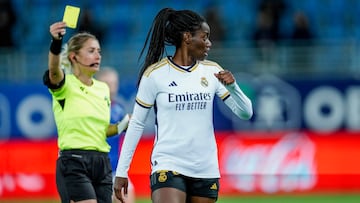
27	169
250	162
289	162
275	162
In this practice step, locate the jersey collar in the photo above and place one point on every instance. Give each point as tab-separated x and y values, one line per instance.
182	68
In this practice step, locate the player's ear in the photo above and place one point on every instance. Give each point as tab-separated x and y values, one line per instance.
187	37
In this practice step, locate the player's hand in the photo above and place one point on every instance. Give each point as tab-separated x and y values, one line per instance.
225	77
121	188
57	30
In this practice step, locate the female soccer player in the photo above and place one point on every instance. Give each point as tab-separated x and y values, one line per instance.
181	89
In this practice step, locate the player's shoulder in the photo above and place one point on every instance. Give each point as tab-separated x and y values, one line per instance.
156	66
209	63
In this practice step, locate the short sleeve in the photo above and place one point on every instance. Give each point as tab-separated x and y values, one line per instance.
46	81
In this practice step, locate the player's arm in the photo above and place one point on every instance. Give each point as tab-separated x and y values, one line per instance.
56	74
147	91
145	100
238	102
131	139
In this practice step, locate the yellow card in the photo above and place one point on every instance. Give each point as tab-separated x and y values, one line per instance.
71	16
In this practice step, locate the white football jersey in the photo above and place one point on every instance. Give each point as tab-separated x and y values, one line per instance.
182	98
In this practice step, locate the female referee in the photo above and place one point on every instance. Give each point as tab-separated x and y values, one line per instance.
81	106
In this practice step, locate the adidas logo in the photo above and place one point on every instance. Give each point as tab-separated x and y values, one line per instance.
172	84
214	187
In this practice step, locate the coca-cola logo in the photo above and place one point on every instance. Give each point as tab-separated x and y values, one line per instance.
286	165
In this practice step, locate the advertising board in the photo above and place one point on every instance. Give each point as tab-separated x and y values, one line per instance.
250	162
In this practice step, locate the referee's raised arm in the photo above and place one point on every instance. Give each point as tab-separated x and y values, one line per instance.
57	30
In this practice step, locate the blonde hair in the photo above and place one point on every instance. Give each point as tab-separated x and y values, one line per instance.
74	44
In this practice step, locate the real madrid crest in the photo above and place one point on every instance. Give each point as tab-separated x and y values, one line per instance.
204	82
162	176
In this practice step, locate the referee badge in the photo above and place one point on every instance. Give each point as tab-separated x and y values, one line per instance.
107	99
204	82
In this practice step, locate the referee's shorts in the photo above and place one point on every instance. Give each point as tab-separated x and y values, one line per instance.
201	187
84	174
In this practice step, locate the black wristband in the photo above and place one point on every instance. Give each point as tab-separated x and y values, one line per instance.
55	46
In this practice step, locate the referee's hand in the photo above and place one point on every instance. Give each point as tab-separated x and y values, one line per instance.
57	30
121	188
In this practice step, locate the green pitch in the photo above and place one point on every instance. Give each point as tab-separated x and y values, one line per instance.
328	198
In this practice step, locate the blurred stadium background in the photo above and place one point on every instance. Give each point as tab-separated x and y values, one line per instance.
302	141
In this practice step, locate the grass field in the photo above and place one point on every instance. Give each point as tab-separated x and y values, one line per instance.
328	198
